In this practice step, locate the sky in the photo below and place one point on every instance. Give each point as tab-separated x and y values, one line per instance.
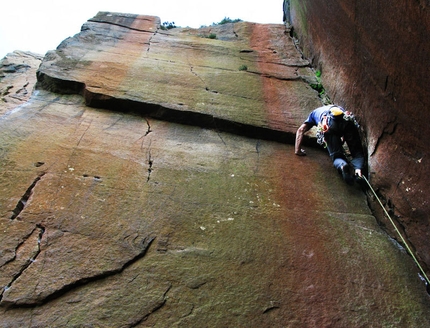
41	25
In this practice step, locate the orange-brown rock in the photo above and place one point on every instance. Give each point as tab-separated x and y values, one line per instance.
247	79
156	208
374	57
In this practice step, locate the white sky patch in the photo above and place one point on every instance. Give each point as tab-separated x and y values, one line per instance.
41	25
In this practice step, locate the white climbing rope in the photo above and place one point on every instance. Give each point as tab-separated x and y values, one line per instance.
397	230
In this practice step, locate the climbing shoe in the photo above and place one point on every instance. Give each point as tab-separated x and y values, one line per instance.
361	182
346	174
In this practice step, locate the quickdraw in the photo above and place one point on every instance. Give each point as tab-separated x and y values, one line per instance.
320	139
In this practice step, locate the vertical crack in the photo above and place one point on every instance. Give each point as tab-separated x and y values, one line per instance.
23	201
149	156
150	162
148	131
257	149
149	45
150	40
218	132
83	134
389	129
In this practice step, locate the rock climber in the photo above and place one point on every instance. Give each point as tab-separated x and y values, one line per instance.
334	127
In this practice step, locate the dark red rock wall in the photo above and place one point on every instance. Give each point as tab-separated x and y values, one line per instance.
374	59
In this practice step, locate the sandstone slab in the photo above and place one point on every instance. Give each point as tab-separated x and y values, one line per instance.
249	79
185	226
119	219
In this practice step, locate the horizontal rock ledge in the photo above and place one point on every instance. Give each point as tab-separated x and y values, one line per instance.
170	113
249	80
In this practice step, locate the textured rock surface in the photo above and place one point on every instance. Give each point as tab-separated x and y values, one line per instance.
17	78
373	61
180	73
115	218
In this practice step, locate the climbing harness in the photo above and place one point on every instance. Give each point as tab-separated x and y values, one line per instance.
397	230
326	122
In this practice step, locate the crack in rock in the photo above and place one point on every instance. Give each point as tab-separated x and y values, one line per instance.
148	131
272	306
169	114
5	91
131	16
5	260
74	285
195	74
389	129
40	231
23	201
150	162
157	306
149	43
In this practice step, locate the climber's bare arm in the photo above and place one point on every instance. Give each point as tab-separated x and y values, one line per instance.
299	138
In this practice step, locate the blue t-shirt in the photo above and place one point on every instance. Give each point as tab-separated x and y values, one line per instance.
315	117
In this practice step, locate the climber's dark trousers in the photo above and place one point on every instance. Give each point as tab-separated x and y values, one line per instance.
350	134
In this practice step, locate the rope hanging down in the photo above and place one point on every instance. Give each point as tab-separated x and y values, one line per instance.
397	230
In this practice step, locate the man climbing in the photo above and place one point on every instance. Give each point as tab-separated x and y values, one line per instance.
335	126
